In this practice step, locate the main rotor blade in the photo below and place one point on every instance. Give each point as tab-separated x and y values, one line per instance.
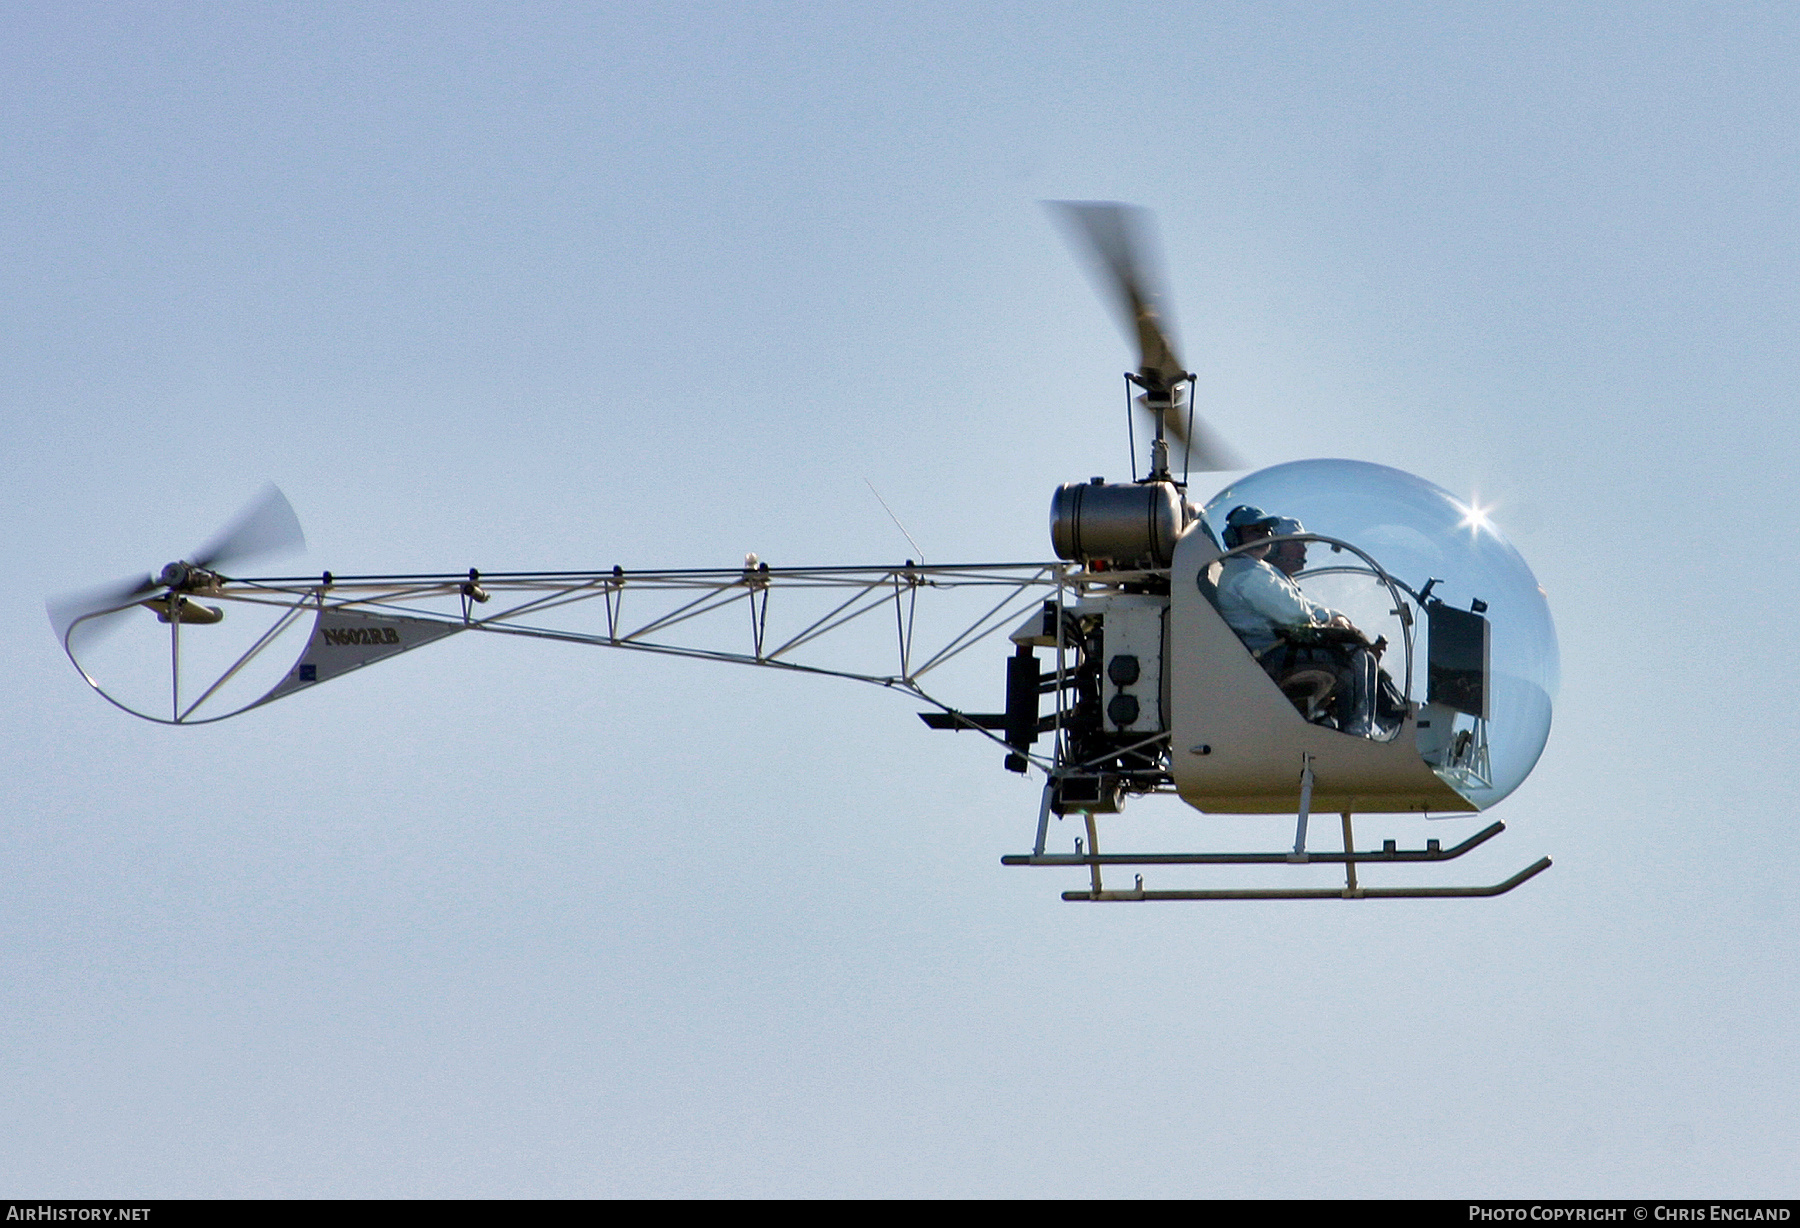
66	610
267	526
1119	245
1207	451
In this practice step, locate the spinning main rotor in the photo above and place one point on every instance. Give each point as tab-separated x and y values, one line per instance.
1117	242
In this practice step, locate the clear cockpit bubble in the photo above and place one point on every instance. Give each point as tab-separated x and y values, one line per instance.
1485	666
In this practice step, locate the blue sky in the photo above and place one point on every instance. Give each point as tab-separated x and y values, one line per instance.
562	286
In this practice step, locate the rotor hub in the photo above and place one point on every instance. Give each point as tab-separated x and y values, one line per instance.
185	577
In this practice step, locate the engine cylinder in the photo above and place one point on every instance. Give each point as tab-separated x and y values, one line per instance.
1123	523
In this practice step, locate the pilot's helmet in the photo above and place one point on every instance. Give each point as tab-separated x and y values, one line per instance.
1243	517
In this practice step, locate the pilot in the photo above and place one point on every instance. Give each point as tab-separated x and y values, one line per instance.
1256	599
1264	606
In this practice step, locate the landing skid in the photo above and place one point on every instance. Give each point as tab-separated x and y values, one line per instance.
1349	859
1315	893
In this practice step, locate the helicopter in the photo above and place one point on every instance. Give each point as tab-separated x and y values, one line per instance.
1150	684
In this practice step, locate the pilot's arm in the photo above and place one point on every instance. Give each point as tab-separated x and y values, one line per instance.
1278	599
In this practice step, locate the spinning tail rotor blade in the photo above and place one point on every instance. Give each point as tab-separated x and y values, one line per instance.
266	527
118	598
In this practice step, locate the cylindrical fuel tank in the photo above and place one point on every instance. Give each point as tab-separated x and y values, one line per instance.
1123	523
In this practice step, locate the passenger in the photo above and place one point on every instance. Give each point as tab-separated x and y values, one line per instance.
1289	558
1283	629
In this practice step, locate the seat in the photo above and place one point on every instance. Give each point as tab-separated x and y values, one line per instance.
1312	673
1308	687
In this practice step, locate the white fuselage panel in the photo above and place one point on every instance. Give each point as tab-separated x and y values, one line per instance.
1238	742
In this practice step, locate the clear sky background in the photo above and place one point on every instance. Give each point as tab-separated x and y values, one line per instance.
568	285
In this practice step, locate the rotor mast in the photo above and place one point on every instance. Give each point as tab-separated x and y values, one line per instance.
1161	400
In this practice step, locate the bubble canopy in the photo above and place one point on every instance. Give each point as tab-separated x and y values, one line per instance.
1419	532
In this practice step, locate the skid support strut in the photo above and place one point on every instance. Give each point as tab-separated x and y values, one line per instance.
1306	784
1087	855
